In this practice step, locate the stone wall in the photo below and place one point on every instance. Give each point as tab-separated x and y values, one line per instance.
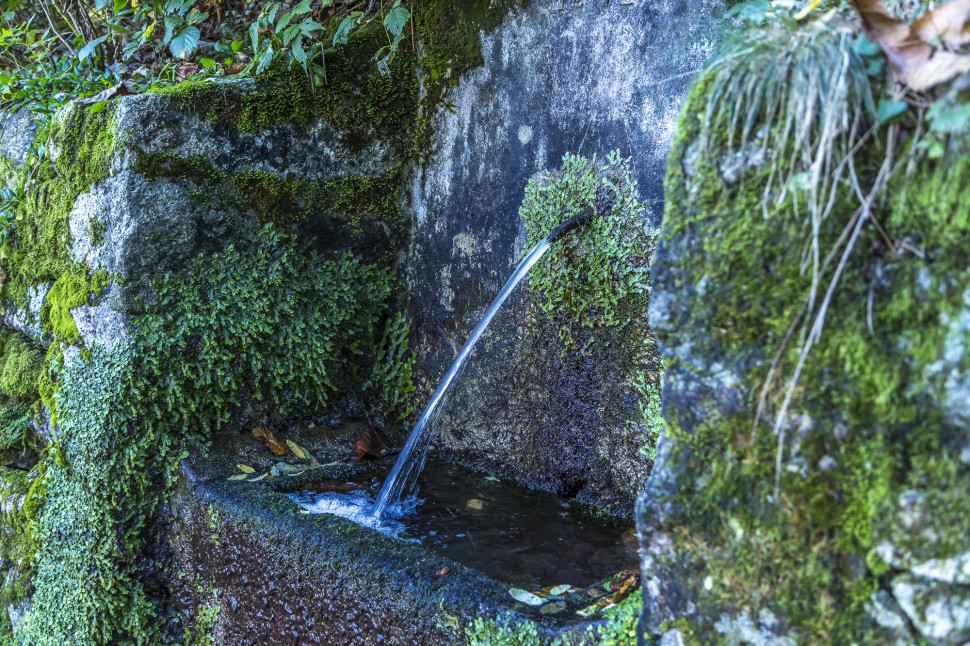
559	77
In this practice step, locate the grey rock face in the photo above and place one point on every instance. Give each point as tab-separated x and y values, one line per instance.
17	131
586	78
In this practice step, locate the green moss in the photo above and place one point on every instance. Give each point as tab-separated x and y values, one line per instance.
267	324
869	399
355	200
483	632
20	367
69	291
604	265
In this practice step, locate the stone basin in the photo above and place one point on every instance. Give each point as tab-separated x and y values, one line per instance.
251	562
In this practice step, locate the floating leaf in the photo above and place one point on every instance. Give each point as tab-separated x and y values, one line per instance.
239	476
557	590
553	608
525	597
265	435
475	504
300	453
245	468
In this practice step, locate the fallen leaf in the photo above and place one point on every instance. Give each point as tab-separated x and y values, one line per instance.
553	608
370	444
297	451
246	469
946	24
913	60
121	89
239	476
185	70
595	592
557	590
443	571
525	597
475	504
265	435
235	68
588	611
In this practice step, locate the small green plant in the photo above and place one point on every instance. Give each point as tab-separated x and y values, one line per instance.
391	379
594	271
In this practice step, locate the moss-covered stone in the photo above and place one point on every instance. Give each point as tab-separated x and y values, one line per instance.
292	321
869	419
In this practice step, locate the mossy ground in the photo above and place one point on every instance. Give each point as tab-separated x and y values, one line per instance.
867	420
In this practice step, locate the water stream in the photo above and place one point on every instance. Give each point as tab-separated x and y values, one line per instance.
410	462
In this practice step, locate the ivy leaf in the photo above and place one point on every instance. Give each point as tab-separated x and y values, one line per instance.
395	20
889	111
302	8
185	42
88	49
949	119
347	25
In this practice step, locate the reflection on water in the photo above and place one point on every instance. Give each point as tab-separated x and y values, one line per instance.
526	538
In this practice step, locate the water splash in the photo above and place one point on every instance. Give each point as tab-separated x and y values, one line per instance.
412	458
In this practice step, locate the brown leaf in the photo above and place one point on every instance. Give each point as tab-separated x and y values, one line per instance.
263	434
913	61
370	444
235	68
443	571
946	25
185	70
121	89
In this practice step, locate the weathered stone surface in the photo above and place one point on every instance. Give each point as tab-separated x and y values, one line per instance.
559	77
17	131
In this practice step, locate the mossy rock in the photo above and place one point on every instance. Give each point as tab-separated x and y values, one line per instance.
874	413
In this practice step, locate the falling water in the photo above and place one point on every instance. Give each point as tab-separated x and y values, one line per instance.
411	460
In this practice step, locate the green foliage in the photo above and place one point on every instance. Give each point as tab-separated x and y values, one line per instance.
605	264
266	323
483	632
391	379
20	367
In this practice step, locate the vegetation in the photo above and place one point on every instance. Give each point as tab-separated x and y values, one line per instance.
806	196
294	322
590	275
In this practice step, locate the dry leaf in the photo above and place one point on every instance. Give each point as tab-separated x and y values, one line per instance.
557	590
912	60
945	25
246	469
265	435
443	571
121	89
526	597
370	444
475	504
185	70
297	451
